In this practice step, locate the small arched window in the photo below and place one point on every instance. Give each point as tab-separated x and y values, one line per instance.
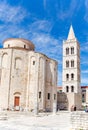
18	63
72	63
5	60
72	88
72	76
72	50
67	76
67	89
67	64
67	51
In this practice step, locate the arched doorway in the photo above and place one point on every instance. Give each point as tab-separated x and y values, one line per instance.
16	101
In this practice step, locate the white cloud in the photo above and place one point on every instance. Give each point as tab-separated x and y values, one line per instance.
84	61
84	47
44	3
70	11
85	71
9	31
39	33
41	25
46	43
59	77
11	14
86	10
84	81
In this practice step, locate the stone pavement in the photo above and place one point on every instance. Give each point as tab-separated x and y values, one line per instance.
26	121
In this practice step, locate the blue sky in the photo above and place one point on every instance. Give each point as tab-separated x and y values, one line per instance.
46	23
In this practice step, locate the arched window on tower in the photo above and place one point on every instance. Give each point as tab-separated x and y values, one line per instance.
67	77
72	50
67	89
67	64
67	51
72	76
72	63
72	88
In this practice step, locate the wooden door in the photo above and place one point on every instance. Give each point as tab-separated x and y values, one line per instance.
16	101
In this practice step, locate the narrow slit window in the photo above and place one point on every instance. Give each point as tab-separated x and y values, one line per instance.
72	63
33	62
72	76
67	64
24	46
72	88
48	96
67	89
72	50
54	96
39	94
67	77
67	51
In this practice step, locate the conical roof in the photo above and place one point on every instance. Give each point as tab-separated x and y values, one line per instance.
71	34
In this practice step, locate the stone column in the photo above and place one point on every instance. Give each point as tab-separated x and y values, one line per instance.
36	86
27	92
43	89
54	107
54	88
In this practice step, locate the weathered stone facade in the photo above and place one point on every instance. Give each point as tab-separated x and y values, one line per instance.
28	79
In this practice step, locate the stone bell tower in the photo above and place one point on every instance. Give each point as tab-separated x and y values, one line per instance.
71	70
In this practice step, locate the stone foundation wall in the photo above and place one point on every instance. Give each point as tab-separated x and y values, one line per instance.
79	120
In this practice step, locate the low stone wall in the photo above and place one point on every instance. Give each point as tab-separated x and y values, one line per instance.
79	120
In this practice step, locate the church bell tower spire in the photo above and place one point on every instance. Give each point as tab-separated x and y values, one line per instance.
71	70
71	34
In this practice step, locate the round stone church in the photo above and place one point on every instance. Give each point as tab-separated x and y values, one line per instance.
28	79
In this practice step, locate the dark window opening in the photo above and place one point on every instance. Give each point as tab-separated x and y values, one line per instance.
54	96
24	46
72	76
67	64
48	96
67	76
39	94
72	50
67	51
72	63
72	88
83	98
67	89
33	62
8	45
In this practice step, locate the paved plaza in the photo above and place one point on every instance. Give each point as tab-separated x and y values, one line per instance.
26	121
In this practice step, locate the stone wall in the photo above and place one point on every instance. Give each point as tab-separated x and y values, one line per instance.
79	120
62	103
74	99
